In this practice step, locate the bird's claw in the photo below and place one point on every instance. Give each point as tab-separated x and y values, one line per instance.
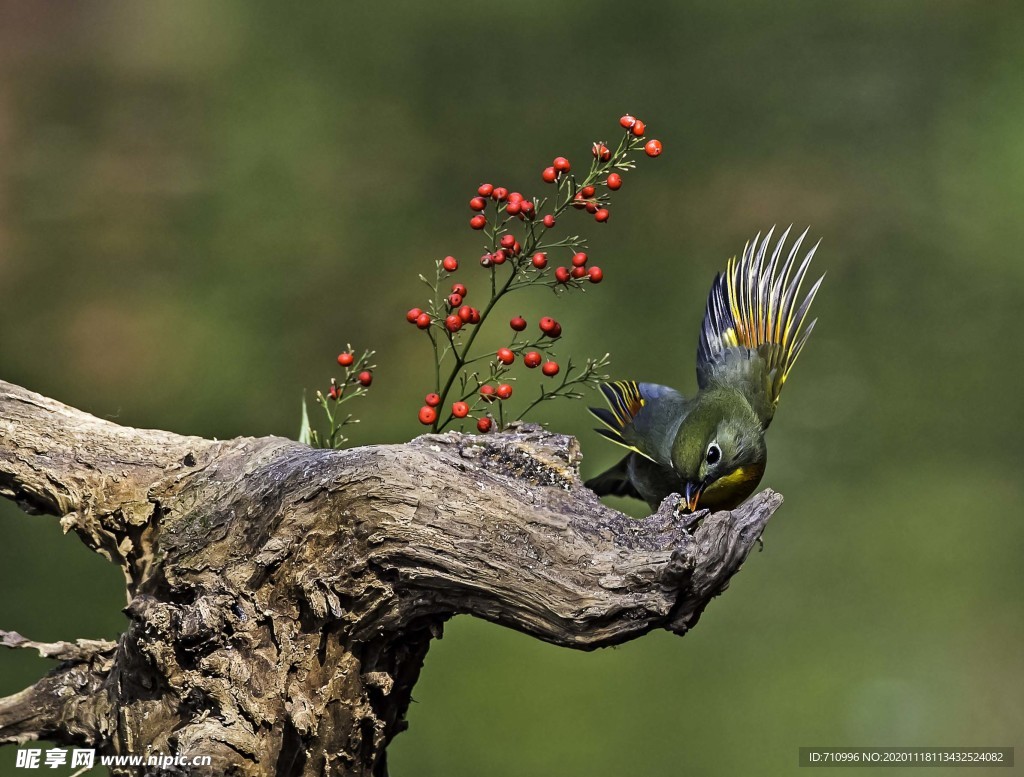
689	520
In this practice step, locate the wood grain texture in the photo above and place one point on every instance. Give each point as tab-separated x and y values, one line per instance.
282	599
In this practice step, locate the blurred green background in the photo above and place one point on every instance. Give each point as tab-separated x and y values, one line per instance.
201	203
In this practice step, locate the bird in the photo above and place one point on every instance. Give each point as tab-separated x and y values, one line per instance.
710	448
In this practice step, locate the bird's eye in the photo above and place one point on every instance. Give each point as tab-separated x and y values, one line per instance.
714	454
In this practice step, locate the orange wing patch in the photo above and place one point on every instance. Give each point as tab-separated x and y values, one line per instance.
624	403
754	304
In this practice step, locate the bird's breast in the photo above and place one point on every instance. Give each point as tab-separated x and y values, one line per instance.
731	490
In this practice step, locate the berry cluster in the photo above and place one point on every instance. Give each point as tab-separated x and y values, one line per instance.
354	383
518	253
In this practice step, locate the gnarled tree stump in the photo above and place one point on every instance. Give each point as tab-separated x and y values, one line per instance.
282	599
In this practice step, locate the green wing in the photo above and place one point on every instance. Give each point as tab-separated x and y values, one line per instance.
643	417
751	336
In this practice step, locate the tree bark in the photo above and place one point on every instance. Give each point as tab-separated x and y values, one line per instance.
281	599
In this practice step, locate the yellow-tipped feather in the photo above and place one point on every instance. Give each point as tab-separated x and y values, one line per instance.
624	401
753	305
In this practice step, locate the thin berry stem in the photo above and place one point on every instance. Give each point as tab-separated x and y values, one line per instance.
590	191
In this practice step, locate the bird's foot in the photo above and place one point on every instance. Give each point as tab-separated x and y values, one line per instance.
689	521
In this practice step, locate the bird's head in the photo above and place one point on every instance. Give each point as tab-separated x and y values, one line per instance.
719	451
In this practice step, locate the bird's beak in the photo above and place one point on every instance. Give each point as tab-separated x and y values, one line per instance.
692	495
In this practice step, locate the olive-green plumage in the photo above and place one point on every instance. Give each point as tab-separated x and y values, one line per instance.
710	448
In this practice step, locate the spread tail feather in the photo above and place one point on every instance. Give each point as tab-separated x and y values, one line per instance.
614	481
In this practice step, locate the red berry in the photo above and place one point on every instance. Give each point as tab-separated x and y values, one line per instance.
432	399
453	322
596	275
549	221
423	320
556	331
345	359
484	425
507	241
333	392
476	316
547	324
459	288
580	259
427	415
500	194
505	356
577	201
516	248
591	207
365	377
450	263
614	182
478	221
627	122
486	260
550	175
460	409
466	314
550	368
562	164
412	315
578	272
639	128
540	260
515	197
485	190
518	323
513	208
528	209
602	215
652	148
454	300
477	203
588	192
562	274
499	256
532	359
601	152
504	391
487	392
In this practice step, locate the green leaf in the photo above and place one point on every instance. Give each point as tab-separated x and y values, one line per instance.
305	432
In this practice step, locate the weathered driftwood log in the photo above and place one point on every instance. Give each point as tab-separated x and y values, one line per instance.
282	599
